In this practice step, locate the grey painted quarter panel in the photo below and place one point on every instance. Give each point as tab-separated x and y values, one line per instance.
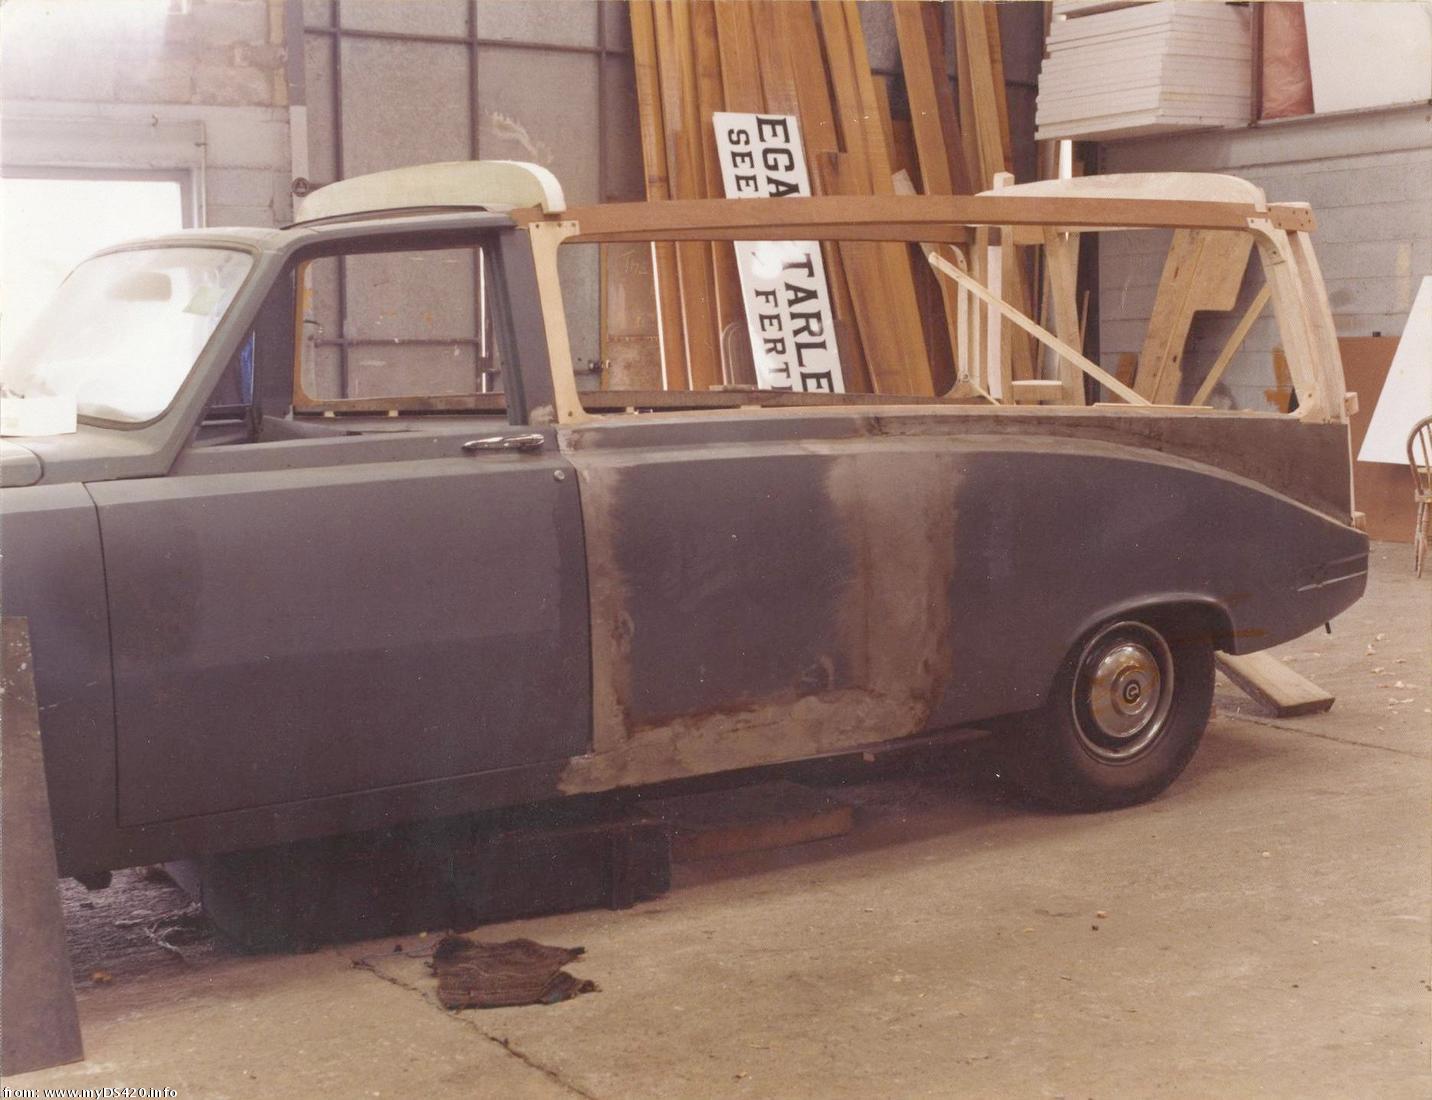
285	635
52	573
1055	539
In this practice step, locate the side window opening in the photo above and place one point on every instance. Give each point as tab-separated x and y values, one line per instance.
412	330
1185	318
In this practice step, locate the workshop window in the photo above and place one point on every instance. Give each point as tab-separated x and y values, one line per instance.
56	217
399	324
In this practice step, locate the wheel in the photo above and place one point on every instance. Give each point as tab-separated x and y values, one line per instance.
1125	716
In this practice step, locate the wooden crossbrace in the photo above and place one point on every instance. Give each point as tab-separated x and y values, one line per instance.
1039	332
1235	341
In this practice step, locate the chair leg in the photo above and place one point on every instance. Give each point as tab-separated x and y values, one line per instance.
1419	539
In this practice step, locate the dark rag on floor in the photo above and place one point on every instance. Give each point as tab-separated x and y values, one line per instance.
498	975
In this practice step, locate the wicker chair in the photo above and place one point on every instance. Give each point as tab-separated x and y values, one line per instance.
1419	457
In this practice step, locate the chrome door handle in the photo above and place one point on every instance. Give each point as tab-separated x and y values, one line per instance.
532	441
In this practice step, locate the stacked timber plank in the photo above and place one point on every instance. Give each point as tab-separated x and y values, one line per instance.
895	323
1139	69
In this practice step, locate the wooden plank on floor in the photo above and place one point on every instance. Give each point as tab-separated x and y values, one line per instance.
748	819
1271	683
658	186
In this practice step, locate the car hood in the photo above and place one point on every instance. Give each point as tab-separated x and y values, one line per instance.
18	465
89	454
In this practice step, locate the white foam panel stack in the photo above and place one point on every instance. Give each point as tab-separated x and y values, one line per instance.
1123	70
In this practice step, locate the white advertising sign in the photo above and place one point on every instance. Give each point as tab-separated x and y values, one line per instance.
783	285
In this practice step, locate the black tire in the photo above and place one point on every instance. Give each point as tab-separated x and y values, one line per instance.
1126	714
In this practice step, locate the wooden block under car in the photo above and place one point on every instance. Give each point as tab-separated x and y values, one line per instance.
429	877
748	819
1270	682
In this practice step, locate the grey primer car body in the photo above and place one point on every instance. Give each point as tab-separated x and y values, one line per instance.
356	622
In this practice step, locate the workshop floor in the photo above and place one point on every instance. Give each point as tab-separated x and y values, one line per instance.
1261	930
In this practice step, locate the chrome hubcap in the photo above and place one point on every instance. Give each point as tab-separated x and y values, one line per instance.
1123	691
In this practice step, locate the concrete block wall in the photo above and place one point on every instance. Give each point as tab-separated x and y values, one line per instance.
1365	174
219	65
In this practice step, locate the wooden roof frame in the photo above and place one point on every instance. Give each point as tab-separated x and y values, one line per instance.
1280	231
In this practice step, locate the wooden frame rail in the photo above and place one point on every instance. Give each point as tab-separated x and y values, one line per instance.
941	219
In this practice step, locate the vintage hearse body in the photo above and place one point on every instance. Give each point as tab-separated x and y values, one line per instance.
253	624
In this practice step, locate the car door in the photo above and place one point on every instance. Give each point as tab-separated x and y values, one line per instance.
341	611
402	612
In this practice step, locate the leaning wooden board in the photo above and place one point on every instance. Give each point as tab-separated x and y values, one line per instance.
658	187
881	281
1382	491
1273	684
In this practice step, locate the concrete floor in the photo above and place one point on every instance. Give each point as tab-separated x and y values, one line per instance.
1260	930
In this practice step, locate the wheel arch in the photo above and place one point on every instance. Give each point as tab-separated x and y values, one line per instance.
1204	616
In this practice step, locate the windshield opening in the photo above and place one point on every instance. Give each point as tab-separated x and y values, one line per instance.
123	331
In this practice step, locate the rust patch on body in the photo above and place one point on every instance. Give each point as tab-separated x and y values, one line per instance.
895	506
